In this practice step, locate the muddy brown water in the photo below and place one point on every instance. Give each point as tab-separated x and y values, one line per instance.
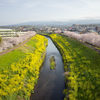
51	83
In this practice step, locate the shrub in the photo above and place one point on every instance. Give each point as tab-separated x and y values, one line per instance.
52	62
0	39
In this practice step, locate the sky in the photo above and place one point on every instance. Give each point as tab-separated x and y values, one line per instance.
19	11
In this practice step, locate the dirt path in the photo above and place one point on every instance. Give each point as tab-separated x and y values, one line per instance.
2	53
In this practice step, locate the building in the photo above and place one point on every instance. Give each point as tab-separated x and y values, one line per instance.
10	33
97	29
6	32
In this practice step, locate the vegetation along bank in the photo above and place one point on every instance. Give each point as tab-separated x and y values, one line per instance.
19	69
82	66
52	62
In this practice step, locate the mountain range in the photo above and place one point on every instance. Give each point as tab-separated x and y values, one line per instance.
53	23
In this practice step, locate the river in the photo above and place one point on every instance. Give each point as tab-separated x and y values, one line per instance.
51	83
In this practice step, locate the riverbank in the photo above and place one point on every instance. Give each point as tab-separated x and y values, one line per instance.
82	68
19	69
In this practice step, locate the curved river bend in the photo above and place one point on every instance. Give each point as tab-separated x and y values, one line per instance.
51	83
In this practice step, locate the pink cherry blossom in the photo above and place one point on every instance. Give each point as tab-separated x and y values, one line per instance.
90	38
16	40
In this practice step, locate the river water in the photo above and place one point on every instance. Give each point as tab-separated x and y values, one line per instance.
51	83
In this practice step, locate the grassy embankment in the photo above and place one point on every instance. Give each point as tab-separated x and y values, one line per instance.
82	65
19	69
52	62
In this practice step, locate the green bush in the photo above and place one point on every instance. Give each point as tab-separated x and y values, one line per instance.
52	62
0	39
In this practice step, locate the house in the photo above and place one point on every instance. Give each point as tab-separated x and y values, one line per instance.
97	29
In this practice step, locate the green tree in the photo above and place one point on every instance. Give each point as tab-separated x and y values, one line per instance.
0	39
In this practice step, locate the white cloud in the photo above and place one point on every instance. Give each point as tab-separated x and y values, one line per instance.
30	5
94	4
12	1
61	6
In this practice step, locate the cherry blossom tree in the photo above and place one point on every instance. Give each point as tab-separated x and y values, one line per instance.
90	38
16	40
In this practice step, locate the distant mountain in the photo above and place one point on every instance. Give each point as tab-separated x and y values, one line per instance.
70	22
42	23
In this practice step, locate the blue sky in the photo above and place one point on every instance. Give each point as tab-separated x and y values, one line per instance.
18	11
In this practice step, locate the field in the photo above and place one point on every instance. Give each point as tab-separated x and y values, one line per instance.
82	65
19	69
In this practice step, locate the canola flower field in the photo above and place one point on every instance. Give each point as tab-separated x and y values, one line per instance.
19	69
82	65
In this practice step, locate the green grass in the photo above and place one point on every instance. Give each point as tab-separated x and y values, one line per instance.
20	53
32	43
52	63
83	65
13	56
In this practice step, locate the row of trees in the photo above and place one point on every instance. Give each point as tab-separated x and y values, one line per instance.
15	41
90	38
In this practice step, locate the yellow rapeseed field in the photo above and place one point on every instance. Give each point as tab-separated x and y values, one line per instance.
18	80
83	66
